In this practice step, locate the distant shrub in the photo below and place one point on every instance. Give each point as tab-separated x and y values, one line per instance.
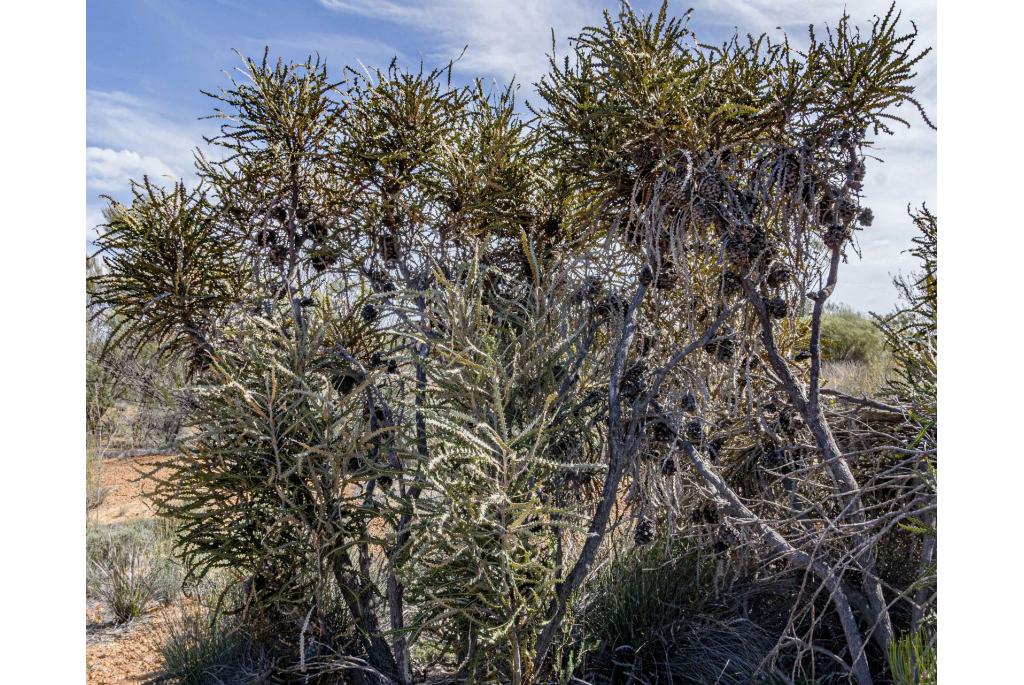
847	335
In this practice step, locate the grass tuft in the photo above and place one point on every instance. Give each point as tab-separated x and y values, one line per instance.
130	568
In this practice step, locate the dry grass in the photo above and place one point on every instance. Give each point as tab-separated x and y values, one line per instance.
862	379
96	490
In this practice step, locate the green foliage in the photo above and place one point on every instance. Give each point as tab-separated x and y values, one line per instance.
912	330
847	335
913	659
642	102
279	481
169	276
491	520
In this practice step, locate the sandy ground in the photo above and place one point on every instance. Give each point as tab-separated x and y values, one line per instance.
123	655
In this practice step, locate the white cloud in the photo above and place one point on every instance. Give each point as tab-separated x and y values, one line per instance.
93	219
505	38
120	121
338	49
109	171
128	137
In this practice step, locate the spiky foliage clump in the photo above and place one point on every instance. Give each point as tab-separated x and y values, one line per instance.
170	278
494	516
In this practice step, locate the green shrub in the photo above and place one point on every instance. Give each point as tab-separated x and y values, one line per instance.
847	335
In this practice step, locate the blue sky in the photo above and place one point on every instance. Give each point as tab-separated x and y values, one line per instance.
148	59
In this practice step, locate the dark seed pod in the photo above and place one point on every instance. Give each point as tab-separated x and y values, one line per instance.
392	366
774	457
668	276
645	344
610	303
646	276
266	237
731	283
689	402
390	250
715	448
661	430
789	422
857	170
644	533
835	236
866	217
377	360
847	209
693	430
668	467
306	302
369	313
776	307
322	261
632	384
778	277
722	349
345	381
316	230
278	253
551	227
744	243
727	535
302	212
385	481
279	214
706	513
590	290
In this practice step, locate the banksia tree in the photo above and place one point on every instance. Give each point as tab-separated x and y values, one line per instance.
434	345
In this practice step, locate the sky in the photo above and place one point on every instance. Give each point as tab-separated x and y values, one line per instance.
147	60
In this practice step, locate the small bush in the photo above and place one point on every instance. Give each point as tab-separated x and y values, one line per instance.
847	335
129	568
202	646
653	620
